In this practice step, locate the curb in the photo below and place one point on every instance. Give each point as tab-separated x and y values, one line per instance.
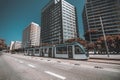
105	59
105	62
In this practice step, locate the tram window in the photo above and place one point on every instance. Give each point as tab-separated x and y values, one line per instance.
78	50
41	50
58	50
61	50
50	50
45	51
31	50
37	51
70	49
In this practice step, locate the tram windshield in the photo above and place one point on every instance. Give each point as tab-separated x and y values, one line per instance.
78	50
61	50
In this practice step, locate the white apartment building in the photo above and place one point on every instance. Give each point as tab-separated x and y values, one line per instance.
31	35
15	45
11	45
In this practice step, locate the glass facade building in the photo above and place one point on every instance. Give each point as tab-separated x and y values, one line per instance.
108	10
59	22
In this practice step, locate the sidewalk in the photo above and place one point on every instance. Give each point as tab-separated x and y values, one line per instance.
105	57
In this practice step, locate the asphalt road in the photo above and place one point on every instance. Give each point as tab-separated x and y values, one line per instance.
15	67
6	72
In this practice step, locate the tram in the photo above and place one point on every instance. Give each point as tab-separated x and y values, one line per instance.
67	50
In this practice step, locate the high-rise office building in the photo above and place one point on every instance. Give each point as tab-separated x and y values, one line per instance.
59	22
31	36
108	11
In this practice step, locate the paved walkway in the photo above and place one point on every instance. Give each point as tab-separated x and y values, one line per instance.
111	57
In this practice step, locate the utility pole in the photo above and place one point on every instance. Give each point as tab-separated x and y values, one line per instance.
104	37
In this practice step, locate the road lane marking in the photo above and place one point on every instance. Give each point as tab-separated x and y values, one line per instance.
21	61
81	65
15	59
30	65
86	66
56	75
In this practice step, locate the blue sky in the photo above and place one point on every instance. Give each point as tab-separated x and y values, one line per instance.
15	15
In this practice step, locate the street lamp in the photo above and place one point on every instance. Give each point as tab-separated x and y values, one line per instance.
104	37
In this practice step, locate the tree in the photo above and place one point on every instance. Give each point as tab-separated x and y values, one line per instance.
113	43
117	43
